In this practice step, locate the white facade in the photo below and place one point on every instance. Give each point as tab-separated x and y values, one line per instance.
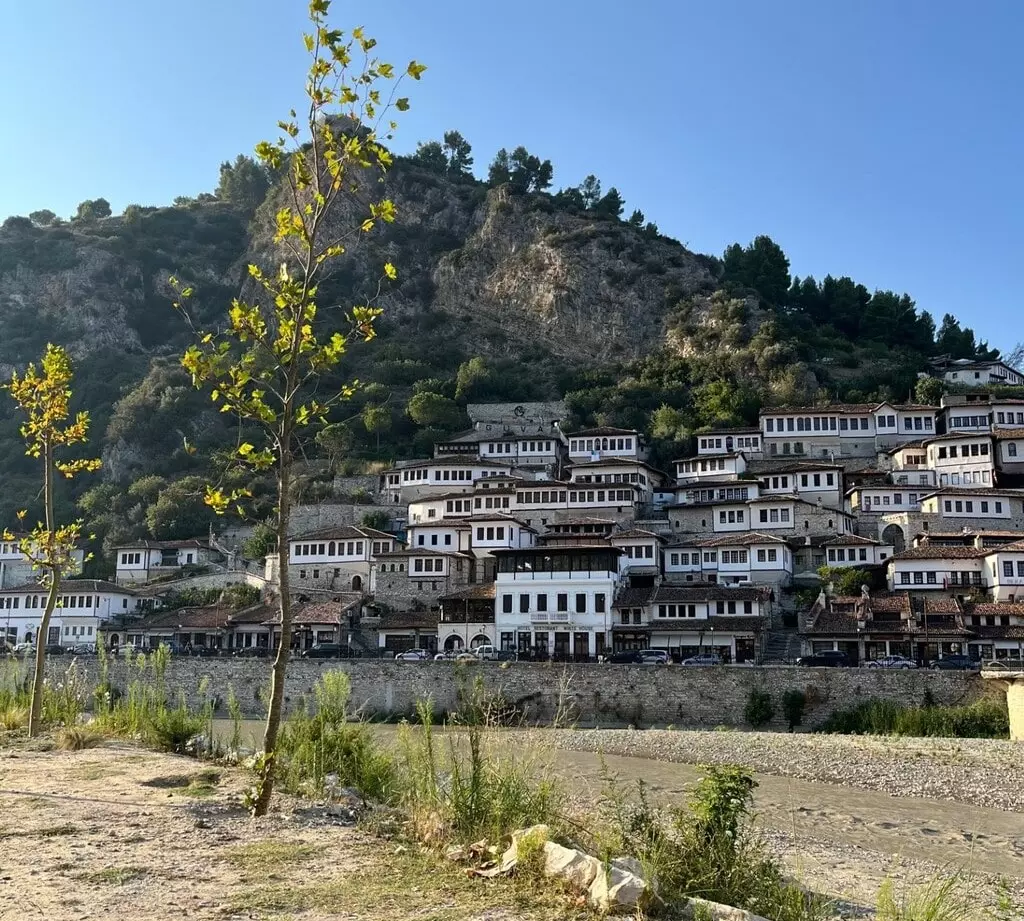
876	499
1004	572
722	467
980	373
705	492
144	560
939	569
16	568
746	441
852	550
966	504
82	606
962	459
641	550
443	534
747	558
556	601
337	557
1008	413
598	443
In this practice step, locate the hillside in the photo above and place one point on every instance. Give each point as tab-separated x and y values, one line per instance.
502	295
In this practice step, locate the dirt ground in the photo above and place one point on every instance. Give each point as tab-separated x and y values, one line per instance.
116	832
119	832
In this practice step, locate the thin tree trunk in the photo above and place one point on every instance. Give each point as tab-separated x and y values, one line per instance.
277	679
35	715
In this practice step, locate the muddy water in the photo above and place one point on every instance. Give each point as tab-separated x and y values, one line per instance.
943	833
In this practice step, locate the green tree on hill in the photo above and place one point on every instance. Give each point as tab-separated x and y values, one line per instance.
92	209
244	183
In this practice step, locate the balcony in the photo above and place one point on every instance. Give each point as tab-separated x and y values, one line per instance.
549	617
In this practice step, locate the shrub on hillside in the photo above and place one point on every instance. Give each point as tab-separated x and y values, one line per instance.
759	709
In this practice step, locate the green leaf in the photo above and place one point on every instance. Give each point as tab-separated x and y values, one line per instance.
402	104
414	70
390	271
245	449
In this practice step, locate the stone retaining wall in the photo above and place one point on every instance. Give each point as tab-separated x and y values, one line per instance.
602	695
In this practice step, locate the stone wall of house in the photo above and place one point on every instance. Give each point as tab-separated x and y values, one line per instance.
402	591
603	695
330	577
307	518
913	523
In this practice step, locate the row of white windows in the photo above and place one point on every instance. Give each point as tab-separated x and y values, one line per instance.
505	447
588	495
352	548
1008	568
1007	418
611	478
975	449
78	631
690	610
702	466
897	499
639	551
966	478
775	515
740	441
578	445
967	505
932	578
845	424
850	555
35	602
728	494
540	603
964	422
728	556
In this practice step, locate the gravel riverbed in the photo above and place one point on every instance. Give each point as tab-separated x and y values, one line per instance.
979	772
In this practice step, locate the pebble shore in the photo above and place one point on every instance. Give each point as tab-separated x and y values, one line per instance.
980	772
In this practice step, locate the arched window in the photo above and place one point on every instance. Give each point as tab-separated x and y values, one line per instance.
357	583
1011	449
330	548
604	444
830	523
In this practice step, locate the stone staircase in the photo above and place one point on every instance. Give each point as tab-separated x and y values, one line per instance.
782	646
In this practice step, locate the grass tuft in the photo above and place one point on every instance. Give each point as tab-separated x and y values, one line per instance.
77	738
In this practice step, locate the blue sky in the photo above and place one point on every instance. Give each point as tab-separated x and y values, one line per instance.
880	139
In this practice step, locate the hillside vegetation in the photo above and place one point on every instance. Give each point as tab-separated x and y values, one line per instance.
505	292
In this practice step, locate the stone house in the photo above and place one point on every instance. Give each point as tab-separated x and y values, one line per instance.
336	559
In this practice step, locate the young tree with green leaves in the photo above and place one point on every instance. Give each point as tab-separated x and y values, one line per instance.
264	367
44	395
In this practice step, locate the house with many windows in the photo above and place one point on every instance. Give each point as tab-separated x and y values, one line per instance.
82	607
749	558
145	560
746	441
961	459
970	373
16	568
554	600
687	620
337	558
604	442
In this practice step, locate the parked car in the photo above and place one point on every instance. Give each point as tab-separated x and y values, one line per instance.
24	649
705	658
486	652
627	657
830	658
414	655
654	657
252	652
1007	665
467	657
893	661
330	651
55	649
955	663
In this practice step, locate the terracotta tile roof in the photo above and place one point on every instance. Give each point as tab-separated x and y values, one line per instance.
739	539
460	524
344	532
1004	433
898	601
1015	547
186	618
582	520
939	553
71	586
848	539
634	534
1012	632
976	491
421	551
710	592
410	620
633	597
193	543
940	605
482	592
601	430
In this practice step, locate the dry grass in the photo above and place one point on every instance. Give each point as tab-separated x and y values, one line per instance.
408	883
77	738
13	717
